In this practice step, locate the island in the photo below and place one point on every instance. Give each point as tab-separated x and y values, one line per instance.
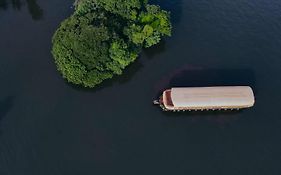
102	37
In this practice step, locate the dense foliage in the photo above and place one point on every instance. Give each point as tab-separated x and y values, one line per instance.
102	37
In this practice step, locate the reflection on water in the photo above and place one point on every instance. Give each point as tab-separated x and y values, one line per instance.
5	106
50	128
16	4
3	4
155	50
34	9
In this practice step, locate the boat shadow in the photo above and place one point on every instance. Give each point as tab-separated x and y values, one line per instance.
209	77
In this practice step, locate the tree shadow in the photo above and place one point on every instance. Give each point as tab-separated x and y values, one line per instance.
5	106
3	4
34	9
155	50
16	4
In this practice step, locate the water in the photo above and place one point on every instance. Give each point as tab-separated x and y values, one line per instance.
49	127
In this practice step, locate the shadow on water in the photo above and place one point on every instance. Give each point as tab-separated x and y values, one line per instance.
155	50
3	4
214	77
34	9
5	106
174	6
209	77
16	4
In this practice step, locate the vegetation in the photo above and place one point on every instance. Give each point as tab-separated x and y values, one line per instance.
102	37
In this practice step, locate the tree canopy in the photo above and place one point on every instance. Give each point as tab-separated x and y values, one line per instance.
102	37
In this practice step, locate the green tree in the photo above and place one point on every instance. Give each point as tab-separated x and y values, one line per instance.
151	25
80	50
102	37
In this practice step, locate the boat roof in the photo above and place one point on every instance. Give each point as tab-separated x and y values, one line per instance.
229	96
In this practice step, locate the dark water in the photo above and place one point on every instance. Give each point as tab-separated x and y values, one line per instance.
48	127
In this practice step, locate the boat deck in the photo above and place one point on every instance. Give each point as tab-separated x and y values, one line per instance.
207	98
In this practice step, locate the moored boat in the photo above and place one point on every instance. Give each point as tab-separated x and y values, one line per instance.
206	98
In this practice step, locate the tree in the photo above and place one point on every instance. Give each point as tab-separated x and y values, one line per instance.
80	50
152	25
102	37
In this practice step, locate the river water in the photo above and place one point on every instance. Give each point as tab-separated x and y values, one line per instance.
49	127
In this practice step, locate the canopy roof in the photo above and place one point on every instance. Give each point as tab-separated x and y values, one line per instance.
228	96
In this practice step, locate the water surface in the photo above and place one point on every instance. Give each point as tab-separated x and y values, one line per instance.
49	127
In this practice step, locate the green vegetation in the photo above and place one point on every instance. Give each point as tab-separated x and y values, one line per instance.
102	37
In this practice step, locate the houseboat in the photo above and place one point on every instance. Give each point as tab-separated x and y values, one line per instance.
206	98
